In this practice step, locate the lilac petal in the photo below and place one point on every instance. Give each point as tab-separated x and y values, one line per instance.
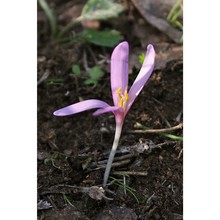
143	76
80	107
119	69
105	110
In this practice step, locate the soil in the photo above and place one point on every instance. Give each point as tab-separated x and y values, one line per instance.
72	150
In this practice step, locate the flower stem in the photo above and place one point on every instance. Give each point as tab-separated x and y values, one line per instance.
67	28
112	154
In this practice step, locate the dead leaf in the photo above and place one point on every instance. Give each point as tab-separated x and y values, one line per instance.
155	13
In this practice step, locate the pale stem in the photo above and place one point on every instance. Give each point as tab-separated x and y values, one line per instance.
112	154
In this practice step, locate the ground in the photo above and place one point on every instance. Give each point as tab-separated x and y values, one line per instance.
72	150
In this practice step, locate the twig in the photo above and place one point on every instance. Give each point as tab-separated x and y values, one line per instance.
179	126
165	143
148	200
116	164
43	77
131	173
124	182
179	116
180	153
120	158
163	117
95	192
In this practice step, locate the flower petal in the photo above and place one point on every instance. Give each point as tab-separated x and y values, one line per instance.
105	110
80	107
143	76
119	69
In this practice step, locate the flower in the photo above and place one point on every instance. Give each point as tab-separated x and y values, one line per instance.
122	99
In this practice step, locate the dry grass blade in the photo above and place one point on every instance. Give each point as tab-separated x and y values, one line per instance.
177	127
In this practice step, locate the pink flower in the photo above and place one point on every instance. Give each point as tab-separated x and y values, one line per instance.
119	85
122	99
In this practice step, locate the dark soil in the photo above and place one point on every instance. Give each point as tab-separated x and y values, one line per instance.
71	149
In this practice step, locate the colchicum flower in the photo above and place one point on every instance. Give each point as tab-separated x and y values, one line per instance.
122	99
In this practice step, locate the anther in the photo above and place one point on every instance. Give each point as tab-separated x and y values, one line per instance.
122	98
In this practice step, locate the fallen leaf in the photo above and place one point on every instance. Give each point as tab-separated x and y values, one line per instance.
155	13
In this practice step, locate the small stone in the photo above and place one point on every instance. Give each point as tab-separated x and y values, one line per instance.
68	151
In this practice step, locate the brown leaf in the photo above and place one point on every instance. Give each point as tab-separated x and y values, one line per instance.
155	13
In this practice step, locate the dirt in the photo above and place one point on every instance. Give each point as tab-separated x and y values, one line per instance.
72	150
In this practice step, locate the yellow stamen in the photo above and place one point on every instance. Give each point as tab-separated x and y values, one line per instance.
126	95
120	103
118	91
122	98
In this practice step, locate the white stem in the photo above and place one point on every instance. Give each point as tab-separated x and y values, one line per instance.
112	154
